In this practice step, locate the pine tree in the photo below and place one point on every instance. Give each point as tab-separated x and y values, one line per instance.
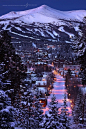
64	119
84	110
6	112
52	118
79	111
24	112
13	69
79	46
38	112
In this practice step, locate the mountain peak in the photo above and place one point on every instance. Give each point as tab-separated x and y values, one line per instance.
45	14
43	6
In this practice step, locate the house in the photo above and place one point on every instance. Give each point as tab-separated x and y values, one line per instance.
75	69
71	67
41	83
42	86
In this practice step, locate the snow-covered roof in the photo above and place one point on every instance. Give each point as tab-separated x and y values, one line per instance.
39	62
33	75
45	75
42	89
41	83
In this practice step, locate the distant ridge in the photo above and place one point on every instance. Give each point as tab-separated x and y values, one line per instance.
43	24
45	14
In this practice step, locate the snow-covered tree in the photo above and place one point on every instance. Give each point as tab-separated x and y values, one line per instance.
79	111
6	112
38	112
13	70
51	120
79	47
24	111
28	111
64	116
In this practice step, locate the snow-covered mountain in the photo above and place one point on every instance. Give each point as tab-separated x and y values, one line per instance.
43	23
45	14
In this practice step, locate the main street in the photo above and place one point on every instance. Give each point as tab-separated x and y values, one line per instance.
59	91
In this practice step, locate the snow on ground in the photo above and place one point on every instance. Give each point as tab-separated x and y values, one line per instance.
55	33
50	33
4	28
42	34
67	41
39	30
18	28
37	17
62	30
34	45
19	34
76	28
